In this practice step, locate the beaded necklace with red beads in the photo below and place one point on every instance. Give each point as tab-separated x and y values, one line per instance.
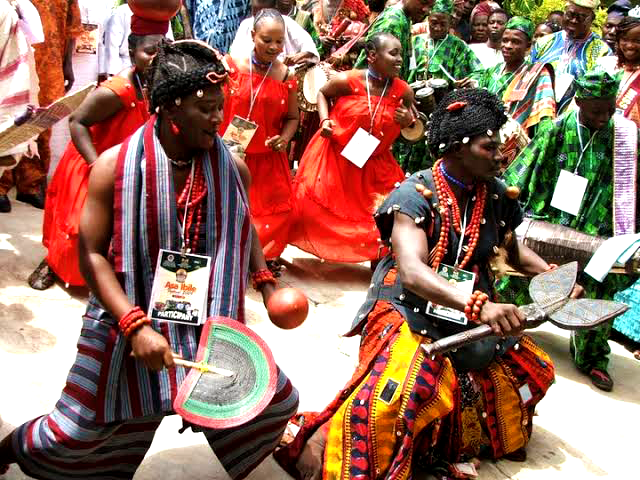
449	207
190	206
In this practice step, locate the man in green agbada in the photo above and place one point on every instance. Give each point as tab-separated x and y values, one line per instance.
557	146
438	55
397	20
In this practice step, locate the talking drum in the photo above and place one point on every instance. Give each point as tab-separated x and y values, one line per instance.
415	132
440	88
310	81
425	101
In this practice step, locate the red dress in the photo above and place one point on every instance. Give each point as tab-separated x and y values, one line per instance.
67	191
270	192
334	199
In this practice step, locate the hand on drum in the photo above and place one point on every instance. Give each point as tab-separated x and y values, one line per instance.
466	83
326	127
403	116
277	143
503	318
300	58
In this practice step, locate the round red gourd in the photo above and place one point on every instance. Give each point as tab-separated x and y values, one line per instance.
156	10
288	308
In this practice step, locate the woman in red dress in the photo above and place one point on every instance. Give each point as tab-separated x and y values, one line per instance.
107	116
334	198
263	91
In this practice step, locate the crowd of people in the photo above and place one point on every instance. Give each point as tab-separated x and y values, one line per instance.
208	134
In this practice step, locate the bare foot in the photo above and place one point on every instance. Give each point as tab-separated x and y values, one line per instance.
310	462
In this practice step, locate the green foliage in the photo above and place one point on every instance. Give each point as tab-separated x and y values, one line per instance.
537	10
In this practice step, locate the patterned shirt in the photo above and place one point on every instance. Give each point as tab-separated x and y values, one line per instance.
392	20
535	171
574	57
539	101
449	57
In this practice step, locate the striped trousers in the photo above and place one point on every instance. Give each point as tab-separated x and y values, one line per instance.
63	446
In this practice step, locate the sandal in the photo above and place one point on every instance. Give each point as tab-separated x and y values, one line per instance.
601	379
42	277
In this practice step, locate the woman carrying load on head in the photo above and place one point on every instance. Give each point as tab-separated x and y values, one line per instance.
261	96
172	185
401	410
333	197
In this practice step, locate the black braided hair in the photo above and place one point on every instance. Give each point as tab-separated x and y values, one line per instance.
181	68
267	13
478	111
376	40
622	29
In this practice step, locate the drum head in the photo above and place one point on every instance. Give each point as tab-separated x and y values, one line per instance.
216	401
314	80
413	133
438	83
424	93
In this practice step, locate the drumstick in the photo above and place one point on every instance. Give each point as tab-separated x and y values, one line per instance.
444	70
202	366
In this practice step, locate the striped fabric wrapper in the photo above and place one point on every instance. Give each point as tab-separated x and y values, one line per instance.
625	161
111	405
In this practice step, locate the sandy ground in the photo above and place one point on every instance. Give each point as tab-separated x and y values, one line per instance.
580	432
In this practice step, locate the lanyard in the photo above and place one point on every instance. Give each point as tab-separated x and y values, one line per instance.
255	97
462	229
582	148
186	207
431	45
373	115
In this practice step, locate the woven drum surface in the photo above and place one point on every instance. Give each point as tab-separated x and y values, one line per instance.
216	401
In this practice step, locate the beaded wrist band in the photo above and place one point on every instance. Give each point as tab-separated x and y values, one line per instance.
133	320
261	278
474	305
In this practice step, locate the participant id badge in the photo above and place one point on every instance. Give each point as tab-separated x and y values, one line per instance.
461	279
87	42
180	288
360	148
569	192
239	132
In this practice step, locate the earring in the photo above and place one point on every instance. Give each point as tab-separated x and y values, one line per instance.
178	101
174	129
200	94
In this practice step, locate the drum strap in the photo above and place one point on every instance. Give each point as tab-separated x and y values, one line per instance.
625	155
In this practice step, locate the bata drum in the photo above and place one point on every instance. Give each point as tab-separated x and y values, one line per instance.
415	86
440	88
310	81
425	101
415	133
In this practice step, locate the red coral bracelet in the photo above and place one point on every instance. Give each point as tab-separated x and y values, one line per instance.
261	278
474	305
136	325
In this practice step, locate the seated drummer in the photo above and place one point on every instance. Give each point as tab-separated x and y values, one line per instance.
563	186
402	409
298	47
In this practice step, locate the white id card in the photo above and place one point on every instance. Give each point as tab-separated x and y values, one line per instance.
180	288
569	192
462	279
563	82
360	148
239	132
413	64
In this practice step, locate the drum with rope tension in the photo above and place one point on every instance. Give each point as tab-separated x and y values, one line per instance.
310	81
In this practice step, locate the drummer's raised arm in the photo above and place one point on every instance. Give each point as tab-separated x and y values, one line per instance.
338	86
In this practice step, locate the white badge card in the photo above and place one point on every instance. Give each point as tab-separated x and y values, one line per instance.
413	64
180	288
563	82
239	132
360	147
569	192
461	279
87	42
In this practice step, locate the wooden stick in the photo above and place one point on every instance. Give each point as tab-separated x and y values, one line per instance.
203	367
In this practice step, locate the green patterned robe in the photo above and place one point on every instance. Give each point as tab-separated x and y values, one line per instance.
392	20
450	54
535	171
